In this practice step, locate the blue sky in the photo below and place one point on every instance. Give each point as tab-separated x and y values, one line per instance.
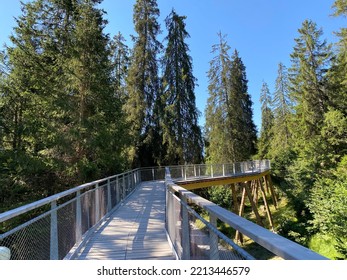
263	32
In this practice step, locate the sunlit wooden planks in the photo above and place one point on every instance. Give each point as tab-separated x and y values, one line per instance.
135	231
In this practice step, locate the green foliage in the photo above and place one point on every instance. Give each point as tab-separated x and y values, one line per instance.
328	205
220	195
324	245
143	107
267	118
230	130
310	61
181	133
55	90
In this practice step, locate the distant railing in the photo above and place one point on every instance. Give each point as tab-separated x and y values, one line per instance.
197	237
187	172
65	218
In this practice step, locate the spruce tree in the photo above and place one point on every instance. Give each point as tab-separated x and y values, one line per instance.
241	112
181	133
60	121
230	130
143	86
267	119
310	62
218	135
282	111
337	75
97	122
120	59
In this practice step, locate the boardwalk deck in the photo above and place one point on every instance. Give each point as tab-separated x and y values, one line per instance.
134	231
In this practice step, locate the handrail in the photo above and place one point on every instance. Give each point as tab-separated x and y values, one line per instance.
36	204
275	243
116	187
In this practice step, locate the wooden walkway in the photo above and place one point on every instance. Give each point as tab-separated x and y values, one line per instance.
134	231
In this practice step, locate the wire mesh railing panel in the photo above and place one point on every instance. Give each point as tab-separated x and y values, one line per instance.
208	243
113	189
88	210
103	194
199	238
30	241
66	225
174	222
177	172
152	174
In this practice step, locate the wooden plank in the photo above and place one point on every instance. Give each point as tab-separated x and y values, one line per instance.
135	231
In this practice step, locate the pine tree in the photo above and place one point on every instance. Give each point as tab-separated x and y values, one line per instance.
120	59
230	130
337	75
282	111
267	119
241	112
182	135
60	120
93	96
142	106
310	62
218	135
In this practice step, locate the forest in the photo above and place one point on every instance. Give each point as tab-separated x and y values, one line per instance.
77	105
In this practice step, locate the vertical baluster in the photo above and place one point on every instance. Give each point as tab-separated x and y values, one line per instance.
97	203
54	243
185	231
78	217
117	190
109	199
214	253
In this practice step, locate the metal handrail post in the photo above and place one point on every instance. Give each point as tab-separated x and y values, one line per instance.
54	245
185	230
214	252
109	200
97	203
78	217
117	190
123	188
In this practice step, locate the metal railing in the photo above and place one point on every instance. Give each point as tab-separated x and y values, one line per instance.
188	172
58	223
193	237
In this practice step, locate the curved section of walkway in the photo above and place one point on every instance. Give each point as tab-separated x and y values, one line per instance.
134	231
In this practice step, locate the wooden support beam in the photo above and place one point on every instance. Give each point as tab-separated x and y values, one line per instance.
267	208
238	235
268	181
235	203
255	192
254	207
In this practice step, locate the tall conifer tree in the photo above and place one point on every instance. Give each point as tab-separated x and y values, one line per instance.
310	62
282	111
182	134
267	119
62	123
230	131
142	106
